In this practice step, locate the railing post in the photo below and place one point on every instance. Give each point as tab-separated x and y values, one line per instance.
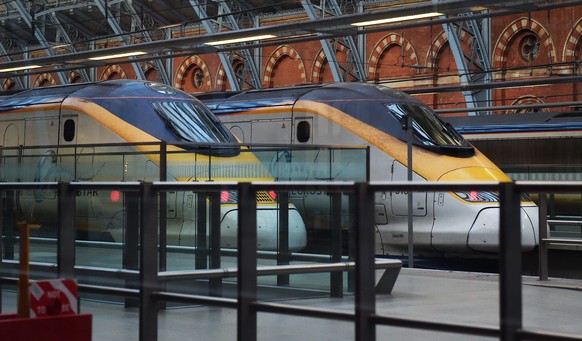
336	278
510	294
9	223
215	239
130	256
148	274
163	215
543	234
247	263
283	254
201	252
352	232
365	270
66	232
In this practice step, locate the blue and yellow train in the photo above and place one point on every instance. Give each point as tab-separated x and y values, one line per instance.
373	115
110	131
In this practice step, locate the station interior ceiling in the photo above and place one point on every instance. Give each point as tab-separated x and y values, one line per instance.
71	35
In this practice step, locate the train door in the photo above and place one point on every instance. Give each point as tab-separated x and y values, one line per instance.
41	131
271	131
187	235
421	210
12	136
400	199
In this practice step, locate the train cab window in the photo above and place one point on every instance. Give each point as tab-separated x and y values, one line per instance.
303	131
69	130
428	129
191	122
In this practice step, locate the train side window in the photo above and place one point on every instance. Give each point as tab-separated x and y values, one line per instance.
69	130
303	131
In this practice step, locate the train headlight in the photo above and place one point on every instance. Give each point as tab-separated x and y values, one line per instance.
228	197
231	197
478	196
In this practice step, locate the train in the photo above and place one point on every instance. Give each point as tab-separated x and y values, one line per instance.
358	113
537	146
112	131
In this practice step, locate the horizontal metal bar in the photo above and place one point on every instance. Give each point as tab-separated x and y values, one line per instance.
195	299
287	309
274	270
549	186
546	336
565	241
348	186
6	186
113	185
111	291
565	222
202	186
435	326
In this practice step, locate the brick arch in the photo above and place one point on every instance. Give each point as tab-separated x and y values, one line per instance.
319	62
275	57
439	42
517	26
185	66
8	84
111	70
147	68
221	78
526	99
572	42
435	48
388	41
73	76
44	77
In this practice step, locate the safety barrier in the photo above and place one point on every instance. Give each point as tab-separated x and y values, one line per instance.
545	242
365	318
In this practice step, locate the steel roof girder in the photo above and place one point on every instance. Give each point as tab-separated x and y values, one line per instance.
354	59
27	17
137	21
228	67
114	24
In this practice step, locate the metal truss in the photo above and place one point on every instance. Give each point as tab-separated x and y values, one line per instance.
112	14
7	42
138	25
474	66
225	20
354	66
28	15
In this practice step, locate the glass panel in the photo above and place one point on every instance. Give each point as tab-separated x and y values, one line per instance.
190	121
427	127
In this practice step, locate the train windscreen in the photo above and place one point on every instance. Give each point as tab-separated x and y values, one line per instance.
427	128
190	121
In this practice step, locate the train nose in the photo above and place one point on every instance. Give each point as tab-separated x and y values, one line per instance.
484	234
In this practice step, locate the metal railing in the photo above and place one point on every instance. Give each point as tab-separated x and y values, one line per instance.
150	291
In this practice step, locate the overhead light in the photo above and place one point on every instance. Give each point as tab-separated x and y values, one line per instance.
18	68
120	55
61	46
169	26
397	19
240	40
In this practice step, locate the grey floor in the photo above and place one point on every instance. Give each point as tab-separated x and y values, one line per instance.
454	297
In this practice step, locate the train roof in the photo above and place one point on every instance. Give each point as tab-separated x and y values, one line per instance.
57	94
508	123
221	102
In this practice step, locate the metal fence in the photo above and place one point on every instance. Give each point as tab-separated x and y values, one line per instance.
150	292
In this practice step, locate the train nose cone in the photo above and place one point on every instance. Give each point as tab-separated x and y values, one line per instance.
484	234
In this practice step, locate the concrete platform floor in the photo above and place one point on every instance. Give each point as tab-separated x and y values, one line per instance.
442	296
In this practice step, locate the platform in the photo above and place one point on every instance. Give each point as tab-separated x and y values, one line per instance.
430	295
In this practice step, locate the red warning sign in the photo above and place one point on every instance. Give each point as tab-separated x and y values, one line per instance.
53	297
